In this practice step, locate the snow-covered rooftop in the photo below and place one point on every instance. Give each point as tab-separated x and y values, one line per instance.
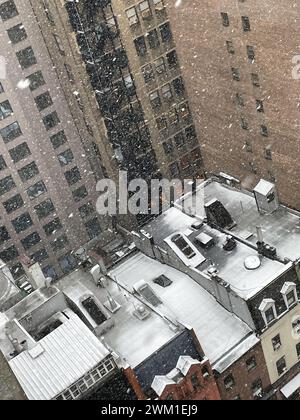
218	330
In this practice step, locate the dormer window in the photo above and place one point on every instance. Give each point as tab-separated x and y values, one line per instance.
289	293
268	311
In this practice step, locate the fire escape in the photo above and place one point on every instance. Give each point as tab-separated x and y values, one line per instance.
106	61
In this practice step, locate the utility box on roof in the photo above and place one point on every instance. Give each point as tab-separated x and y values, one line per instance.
266	197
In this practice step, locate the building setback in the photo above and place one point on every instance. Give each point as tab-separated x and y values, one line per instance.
48	165
237	60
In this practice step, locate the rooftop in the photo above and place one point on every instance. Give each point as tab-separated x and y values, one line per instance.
218	330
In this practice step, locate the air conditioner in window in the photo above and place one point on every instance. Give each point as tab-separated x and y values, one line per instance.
146	14
258	393
277	346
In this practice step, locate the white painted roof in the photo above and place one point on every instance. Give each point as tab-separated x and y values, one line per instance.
264	187
218	330
291	386
62	358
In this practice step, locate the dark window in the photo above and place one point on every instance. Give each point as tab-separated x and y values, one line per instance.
67	263
11	132
264	130
28	172
36	80
240	99
6	184
66	157
8	10
1	88
140	45
276	342
31	240
172	59
244	124
22	223
50	121
20	152
148	73
58	139
40	256
235	74
43	101
2	163
174	169
179	140
281	366
36	190
80	193
165	32
229	382
86	210
17	33
191	134
255	79
251	364
153	39
230	47
246	24
4	235
270	316
9	254
44	209
52	227
259	106
178	86
250	52
73	176
168	147
225	19
155	99
298	350
5	110
59	243
13	204
291	298
26	58
195	381
93	228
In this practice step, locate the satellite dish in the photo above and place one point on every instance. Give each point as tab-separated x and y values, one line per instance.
252	263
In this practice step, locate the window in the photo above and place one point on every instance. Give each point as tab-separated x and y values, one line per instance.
80	193
168	147
73	176
67	263
22	223
2	163
44	209
268	153
229	382
268	310
31	240
10	132
251	364
190	134
17	33
43	101
235	74
281	366
225	19
259	106
178	86
59	44
8	10
257	388
161	122
145	10
158	6
13	204
9	254
4	235
298	350
276	342
93	228
172	59
1	88
289	294
250	52
58	139
40	256
179	140
160	65
20	152
246	24
52	227
174	169
291	298
140	46
165	32
86	210
50	121
148	73
255	79
153	39
36	80
132	16
155	99
6	185
230	47
26	58
296	326
240	99
167	92
270	315
36	190
244	124
28	172
5	110
59	243
66	157
264	130
195	381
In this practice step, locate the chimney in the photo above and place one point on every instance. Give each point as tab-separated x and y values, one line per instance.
33	272
260	237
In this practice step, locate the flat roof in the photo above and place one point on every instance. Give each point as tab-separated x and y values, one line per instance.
58	360
230	266
291	387
281	229
134	340
218	330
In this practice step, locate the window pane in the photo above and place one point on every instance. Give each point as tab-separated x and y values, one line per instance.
58	139
8	10
5	110
36	80
20	152
22	223
51	120
17	33
28	172
44	209
11	132
31	240
9	254
36	190
13	204
52	227
73	176
6	184
43	101
66	157
26	58
80	193
93	228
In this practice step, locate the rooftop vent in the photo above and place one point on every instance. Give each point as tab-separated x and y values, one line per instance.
230	244
217	215
252	263
266	197
141	312
94	311
163	281
143	289
205	241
